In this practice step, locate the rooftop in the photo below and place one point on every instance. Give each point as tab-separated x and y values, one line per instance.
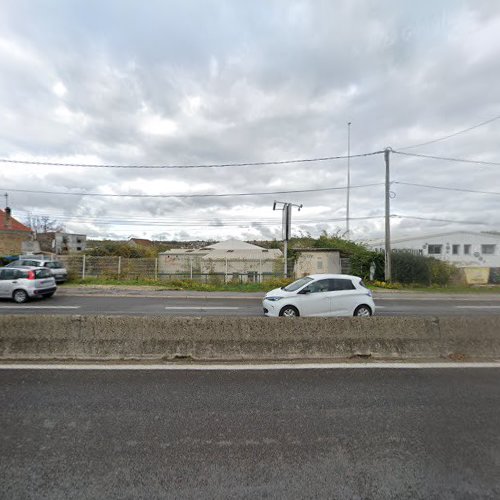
15	225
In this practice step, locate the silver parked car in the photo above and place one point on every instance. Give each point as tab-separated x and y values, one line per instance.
57	268
24	283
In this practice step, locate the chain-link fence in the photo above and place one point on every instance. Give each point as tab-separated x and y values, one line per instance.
207	271
216	270
83	266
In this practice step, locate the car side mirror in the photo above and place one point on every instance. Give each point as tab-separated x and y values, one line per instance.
304	291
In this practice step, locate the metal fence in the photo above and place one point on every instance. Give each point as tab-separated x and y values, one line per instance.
215	278
84	266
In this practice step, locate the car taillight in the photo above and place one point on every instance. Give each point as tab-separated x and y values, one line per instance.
31	275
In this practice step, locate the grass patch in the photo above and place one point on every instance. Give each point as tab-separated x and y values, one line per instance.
181	284
269	285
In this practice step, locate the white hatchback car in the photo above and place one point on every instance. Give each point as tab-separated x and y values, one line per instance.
321	295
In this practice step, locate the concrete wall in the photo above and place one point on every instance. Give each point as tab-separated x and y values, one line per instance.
232	338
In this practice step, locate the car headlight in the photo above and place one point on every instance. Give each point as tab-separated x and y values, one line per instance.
273	299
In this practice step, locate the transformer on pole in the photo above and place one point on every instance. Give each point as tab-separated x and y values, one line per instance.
286	207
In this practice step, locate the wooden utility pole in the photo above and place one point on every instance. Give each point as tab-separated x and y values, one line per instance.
387	268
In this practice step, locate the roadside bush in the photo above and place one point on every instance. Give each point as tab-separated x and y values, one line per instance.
443	273
408	268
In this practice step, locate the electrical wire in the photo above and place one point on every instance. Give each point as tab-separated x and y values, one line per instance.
220	195
445	188
459	160
486	122
213	165
214	222
439	220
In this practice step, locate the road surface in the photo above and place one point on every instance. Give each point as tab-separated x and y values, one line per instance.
245	306
335	433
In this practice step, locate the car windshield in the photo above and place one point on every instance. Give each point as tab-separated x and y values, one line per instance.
53	265
297	284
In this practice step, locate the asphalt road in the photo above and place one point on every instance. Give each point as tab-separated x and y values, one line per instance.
246	306
353	433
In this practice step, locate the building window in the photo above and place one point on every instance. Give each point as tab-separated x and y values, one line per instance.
435	249
488	249
455	249
466	249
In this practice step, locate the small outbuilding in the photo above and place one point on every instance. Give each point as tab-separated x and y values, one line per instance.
317	261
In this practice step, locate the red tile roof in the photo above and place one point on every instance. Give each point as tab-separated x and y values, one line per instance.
14	224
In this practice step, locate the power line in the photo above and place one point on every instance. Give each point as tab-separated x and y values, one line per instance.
459	160
454	134
213	165
214	222
220	195
439	220
463	190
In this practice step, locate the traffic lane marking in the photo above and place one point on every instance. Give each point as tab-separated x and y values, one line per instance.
22	306
202	308
477	307
248	367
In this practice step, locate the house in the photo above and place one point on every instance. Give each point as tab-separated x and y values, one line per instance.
316	261
139	242
477	253
231	259
59	242
14	236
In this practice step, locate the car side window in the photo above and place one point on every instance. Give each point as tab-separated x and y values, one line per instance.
339	284
8	274
318	286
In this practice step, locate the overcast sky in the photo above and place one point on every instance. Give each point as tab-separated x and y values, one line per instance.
204	82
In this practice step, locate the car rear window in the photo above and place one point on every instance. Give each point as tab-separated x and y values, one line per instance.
53	265
42	273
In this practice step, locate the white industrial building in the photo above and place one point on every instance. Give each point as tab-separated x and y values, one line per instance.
477	253
230	260
462	248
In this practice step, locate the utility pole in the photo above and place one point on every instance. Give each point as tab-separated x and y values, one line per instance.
286	227
348	179
387	268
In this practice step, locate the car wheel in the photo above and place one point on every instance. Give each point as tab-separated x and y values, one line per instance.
289	312
363	311
20	296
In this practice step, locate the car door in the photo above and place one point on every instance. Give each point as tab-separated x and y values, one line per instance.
7	281
343	297
3	285
314	299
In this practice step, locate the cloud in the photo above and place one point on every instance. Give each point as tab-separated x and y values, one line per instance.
221	82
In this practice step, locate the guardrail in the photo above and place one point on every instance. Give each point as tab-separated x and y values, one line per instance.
51	337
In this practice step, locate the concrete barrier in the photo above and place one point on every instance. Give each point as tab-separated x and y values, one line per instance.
24	337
